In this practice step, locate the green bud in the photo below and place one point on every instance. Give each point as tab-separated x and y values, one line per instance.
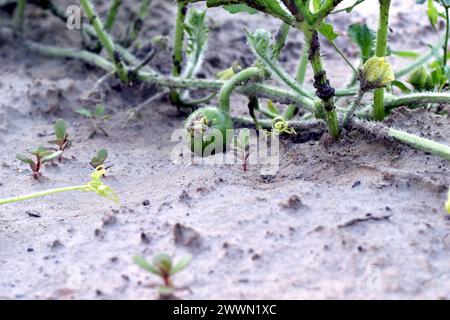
377	73
420	78
206	131
163	262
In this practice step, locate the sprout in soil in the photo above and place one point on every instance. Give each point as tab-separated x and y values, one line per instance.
96	185
99	159
163	266
98	118
241	143
62	137
43	155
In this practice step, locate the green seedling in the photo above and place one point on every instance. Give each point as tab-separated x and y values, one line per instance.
43	155
241	144
62	137
95	185
163	267
98	117
99	159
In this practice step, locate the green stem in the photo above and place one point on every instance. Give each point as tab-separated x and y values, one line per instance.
417	98
382	34
41	194
421	143
355	105
324	90
447	33
291	112
136	25
112	14
302	66
280	40
230	85
104	38
342	54
19	15
177	59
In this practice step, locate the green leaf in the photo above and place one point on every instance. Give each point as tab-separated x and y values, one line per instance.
327	31
364	38
84	112
272	107
401	86
141	262
100	158
181	265
163	262
60	129
432	13
24	159
52	156
238	8
99	110
41	152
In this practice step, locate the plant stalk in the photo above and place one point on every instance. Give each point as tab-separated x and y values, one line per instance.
19	15
379	111
41	194
355	105
112	14
106	41
177	58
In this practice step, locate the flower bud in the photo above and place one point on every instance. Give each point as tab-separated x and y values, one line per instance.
377	73
419	79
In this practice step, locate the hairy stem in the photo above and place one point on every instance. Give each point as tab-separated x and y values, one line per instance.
323	88
354	106
177	58
421	143
112	14
280	40
104	38
447	33
417	99
230	85
379	112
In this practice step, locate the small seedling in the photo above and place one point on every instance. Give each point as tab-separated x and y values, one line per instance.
163	266
98	118
99	159
241	145
43	155
62	137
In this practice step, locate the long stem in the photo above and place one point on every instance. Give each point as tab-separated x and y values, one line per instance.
112	14
324	90
379	112
447	33
41	194
417	98
421	143
228	87
356	103
137	24
177	58
302	66
104	38
19	15
280	40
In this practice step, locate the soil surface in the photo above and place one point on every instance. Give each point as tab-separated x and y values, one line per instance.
359	218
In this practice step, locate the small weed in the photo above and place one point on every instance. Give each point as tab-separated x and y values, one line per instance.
241	144
62	137
163	266
43	155
98	118
99	158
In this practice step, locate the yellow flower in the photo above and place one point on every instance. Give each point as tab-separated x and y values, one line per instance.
377	72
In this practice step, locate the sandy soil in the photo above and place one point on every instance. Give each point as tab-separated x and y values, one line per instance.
355	219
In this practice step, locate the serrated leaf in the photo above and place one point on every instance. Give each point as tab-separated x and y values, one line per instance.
181	265
364	38
327	30
60	129
141	262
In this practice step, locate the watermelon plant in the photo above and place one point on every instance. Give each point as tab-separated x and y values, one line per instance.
207	128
